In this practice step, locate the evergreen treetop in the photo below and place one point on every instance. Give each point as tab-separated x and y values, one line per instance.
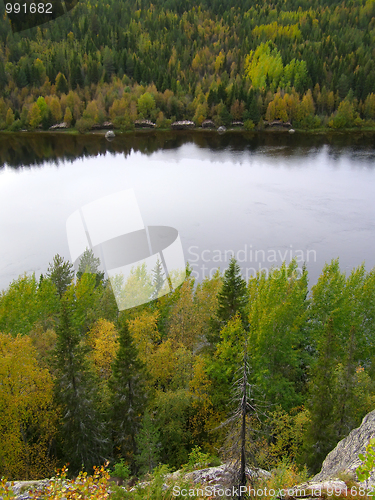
232	298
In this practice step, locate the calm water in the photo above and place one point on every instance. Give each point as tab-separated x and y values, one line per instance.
264	198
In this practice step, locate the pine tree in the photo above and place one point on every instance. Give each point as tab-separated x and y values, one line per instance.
61	273
128	397
83	437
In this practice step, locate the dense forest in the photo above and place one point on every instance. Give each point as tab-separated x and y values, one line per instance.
81	383
307	62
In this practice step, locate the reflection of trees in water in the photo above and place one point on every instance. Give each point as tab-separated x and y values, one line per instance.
33	149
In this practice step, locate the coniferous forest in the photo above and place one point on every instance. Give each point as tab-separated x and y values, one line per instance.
310	63
81	383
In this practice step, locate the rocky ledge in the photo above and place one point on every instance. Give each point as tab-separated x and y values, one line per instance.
344	458
183	125
144	124
341	463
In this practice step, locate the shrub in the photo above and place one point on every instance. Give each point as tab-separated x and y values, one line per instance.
368	462
249	125
16	126
84	487
84	124
285	476
121	470
197	460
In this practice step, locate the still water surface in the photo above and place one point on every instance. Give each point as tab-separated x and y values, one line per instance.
264	198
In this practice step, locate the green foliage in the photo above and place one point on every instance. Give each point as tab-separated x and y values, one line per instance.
338	393
197	460
313	348
368	462
145	105
90	264
25	303
45	113
286	475
148	444
277	305
84	124
82	438
264	66
227	358
249	125
60	273
344	117
158	279
287	430
172	410
175	63
232	298
155	488
127	396
121	470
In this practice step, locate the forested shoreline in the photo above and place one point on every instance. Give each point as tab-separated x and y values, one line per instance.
310	63
81	383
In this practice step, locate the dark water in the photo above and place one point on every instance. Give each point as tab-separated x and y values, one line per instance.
263	197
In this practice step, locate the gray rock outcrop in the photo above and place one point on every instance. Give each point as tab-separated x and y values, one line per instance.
208	124
102	126
182	125
144	124
59	126
317	489
344	458
220	477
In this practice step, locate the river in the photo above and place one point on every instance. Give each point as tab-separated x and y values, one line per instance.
263	198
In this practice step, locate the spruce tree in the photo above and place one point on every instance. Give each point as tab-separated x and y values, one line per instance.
83	439
148	442
232	297
128	396
240	446
158	279
320	434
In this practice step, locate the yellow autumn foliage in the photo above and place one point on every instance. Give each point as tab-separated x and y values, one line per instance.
103	340
273	30
144	330
28	417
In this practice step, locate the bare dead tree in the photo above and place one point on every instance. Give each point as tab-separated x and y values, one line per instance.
239	444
